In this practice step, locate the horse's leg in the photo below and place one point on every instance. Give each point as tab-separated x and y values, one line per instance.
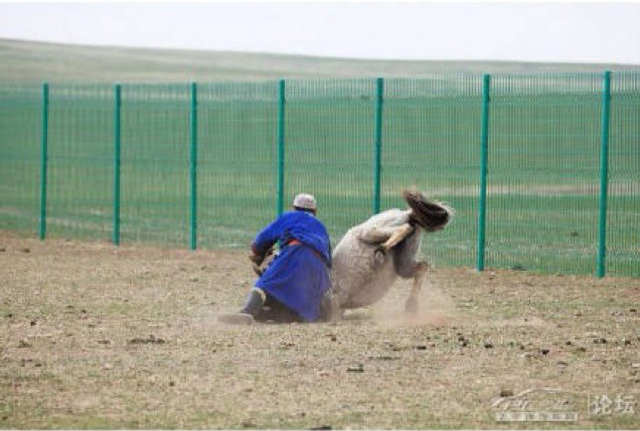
330	310
412	303
376	235
388	236
399	233
407	267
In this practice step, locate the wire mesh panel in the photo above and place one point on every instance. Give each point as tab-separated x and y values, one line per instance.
20	131
431	132
155	163
543	179
623	215
329	149
250	147
80	169
237	126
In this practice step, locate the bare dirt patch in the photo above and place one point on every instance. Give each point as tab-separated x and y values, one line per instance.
93	336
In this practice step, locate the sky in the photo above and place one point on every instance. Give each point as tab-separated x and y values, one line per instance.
515	31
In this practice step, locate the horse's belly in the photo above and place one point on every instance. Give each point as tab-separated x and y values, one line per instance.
372	291
360	280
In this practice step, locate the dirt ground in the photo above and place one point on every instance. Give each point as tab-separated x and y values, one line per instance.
94	336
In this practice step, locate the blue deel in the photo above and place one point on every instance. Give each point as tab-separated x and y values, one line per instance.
299	276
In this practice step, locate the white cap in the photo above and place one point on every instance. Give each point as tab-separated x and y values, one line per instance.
305	201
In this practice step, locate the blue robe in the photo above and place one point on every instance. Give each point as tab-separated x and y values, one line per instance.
299	276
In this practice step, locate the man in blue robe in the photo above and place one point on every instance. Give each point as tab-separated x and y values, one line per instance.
292	287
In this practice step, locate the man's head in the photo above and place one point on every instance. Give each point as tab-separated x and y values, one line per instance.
305	202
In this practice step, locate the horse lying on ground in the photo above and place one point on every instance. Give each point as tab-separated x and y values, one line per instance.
372	255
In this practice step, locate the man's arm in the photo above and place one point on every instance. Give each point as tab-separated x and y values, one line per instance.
264	241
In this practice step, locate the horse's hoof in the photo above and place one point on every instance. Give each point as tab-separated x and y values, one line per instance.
411	307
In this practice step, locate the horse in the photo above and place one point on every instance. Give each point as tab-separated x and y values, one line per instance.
372	255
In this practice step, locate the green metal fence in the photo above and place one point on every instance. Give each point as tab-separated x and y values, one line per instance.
543	170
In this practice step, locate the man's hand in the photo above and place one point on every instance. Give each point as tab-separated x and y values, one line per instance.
258	258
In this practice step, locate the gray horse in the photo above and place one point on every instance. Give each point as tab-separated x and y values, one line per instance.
372	255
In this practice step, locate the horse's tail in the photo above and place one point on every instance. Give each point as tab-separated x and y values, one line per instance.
429	215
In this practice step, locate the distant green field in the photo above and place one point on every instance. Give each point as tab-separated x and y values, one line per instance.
34	62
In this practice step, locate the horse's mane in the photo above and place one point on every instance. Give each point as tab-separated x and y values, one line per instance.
429	215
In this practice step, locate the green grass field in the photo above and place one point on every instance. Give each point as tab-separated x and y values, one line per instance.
543	164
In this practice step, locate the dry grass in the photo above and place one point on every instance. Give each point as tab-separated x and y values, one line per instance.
98	337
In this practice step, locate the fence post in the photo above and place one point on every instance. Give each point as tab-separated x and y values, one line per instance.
281	119
482	204
377	167
194	166
116	164
44	161
604	174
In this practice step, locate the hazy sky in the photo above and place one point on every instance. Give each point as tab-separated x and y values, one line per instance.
563	32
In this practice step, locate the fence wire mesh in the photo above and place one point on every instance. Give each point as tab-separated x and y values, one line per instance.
20	130
543	184
623	221
253	153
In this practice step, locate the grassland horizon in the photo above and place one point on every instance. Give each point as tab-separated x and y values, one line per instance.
26	61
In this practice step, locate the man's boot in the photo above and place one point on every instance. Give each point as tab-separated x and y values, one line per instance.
251	308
